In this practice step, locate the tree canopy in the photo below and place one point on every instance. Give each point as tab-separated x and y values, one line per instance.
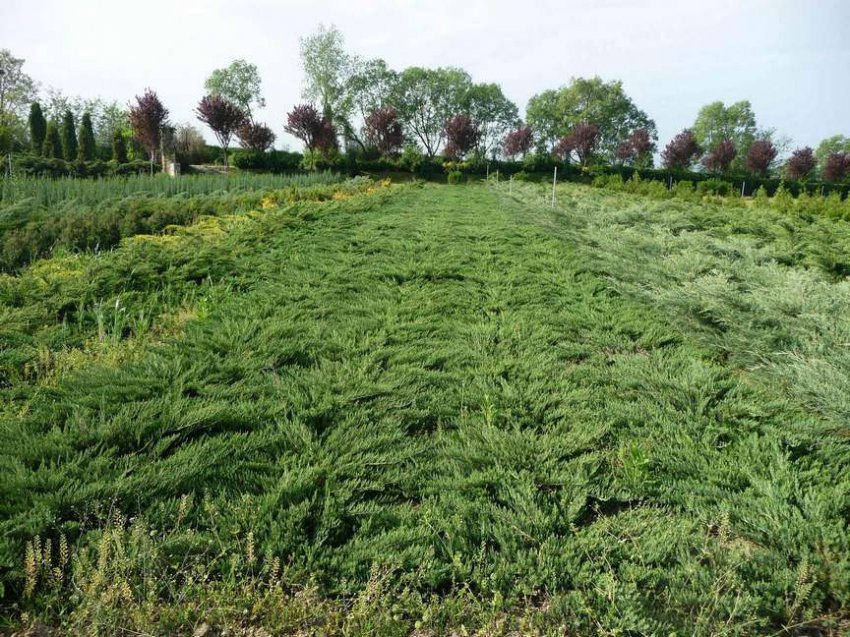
554	114
426	98
717	122
240	84
327	69
830	146
493	114
147	117
223	117
17	89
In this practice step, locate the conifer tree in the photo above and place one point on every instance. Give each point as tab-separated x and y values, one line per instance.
119	147
68	135
52	148
86	145
38	128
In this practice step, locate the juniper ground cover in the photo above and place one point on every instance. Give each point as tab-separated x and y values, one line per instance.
435	408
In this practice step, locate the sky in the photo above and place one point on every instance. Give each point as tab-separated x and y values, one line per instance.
791	59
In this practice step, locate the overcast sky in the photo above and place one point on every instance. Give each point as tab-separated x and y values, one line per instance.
791	59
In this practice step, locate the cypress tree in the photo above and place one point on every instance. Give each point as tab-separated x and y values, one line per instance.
52	148
69	137
38	128
85	147
119	148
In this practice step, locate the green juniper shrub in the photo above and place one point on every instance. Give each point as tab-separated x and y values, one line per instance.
714	186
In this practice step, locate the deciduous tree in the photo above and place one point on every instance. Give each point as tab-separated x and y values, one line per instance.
720	157
462	136
493	114
327	69
326	141
316	132
255	136
147	117
239	83
636	149
554	114
582	141
682	151
801	163
107	119
518	142
382	130
760	157
17	89
223	117
189	143
836	167
830	145
717	122
425	99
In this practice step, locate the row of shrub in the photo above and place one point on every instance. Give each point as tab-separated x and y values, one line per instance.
541	167
28	233
273	161
796	198
34	166
533	167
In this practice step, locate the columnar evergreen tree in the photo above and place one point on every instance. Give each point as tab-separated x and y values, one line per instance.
86	145
38	128
52	148
68	135
119	147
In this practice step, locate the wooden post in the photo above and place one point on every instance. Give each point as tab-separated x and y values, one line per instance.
554	181
511	185
488	171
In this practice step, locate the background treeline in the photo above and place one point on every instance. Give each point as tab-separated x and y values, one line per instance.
362	115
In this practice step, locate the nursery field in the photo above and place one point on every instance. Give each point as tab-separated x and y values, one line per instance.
374	409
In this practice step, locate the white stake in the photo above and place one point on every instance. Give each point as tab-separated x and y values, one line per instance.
743	183
511	185
554	181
